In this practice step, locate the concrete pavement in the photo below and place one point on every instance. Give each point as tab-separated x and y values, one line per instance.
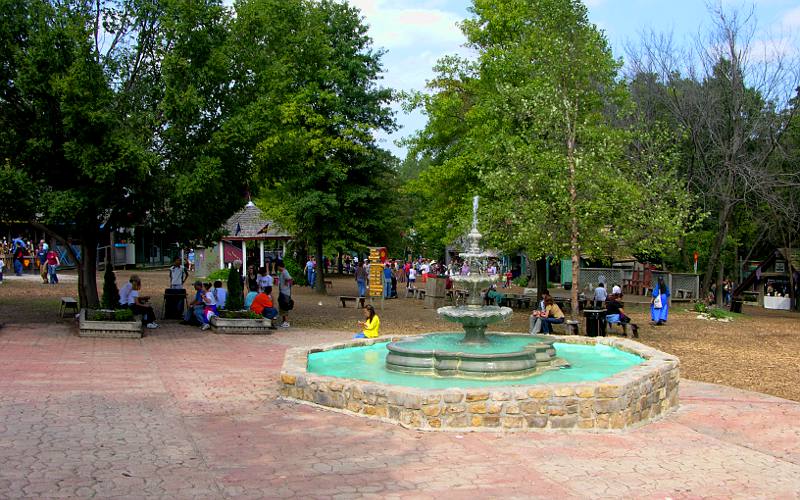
185	414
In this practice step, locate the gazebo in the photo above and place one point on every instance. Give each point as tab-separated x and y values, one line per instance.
249	224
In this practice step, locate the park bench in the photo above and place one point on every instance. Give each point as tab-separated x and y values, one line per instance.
68	303
348	298
568	327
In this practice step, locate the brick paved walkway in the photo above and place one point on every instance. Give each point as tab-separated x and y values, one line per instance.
182	414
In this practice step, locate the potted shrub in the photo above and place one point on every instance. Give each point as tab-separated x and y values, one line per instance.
235	319
120	323
109	322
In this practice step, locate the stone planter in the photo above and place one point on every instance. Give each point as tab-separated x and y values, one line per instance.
109	329
241	326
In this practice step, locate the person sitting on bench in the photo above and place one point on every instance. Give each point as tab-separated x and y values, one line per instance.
615	314
552	315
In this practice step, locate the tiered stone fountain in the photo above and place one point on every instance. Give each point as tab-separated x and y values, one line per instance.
475	355
499	381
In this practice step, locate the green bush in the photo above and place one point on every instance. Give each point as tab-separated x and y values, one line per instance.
123	315
521	281
700	307
235	295
298	274
218	274
106	315
240	315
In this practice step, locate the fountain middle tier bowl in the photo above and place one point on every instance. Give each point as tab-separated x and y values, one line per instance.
474	315
501	357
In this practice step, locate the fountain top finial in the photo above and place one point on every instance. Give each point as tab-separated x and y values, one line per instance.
475	212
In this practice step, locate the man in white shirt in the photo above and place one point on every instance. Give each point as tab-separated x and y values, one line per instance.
616	290
125	291
600	295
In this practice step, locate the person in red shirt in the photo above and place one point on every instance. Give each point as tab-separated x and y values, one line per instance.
263	305
52	266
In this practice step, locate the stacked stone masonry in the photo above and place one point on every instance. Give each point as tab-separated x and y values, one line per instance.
628	399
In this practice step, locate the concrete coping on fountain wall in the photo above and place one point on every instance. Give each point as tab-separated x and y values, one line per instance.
628	399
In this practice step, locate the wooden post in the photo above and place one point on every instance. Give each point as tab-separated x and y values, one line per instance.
221	254
244	256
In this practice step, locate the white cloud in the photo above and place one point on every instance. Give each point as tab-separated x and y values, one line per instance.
791	19
396	25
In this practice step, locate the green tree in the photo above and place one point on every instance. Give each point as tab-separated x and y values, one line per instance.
543	134
60	128
309	105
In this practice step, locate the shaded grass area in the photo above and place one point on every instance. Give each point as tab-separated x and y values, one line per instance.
756	351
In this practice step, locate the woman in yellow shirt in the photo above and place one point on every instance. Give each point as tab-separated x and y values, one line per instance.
552	315
370	325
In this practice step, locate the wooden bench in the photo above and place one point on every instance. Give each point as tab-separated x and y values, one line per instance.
328	284
348	298
634	328
68	303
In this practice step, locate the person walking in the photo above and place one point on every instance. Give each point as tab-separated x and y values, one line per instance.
41	259
311	272
18	249
52	266
361	279
659	305
387	281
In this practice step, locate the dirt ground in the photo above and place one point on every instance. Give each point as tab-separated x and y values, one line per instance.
758	351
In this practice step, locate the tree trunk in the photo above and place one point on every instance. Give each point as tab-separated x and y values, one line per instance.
574	234
716	249
340	262
720	279
319	286
87	274
541	277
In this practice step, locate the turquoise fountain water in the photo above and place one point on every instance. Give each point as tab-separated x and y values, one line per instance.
587	363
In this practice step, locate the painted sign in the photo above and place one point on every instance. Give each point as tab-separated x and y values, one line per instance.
376	271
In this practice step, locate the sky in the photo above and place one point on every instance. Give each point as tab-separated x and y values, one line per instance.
416	33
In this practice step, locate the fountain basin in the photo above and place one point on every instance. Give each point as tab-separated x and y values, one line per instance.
500	356
599	396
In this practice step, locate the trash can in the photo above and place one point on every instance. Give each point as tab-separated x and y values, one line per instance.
595	322
736	306
174	301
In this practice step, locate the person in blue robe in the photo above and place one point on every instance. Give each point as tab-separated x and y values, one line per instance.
659	315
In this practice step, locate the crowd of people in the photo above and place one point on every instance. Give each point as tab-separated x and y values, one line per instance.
23	254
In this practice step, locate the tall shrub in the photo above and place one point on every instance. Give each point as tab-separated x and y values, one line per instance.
235	301
110	291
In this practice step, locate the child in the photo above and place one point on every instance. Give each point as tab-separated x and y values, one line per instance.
264	279
370	325
221	294
209	306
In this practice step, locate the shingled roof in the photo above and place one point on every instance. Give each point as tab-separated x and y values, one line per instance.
249	223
